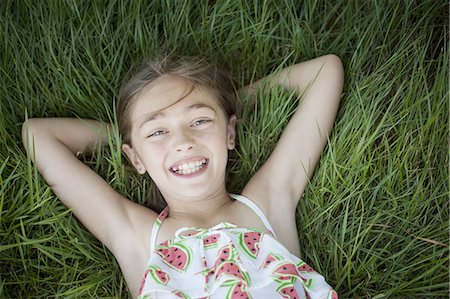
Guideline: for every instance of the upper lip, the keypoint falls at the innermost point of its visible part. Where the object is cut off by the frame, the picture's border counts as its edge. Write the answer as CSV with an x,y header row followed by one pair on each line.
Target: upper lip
x,y
187,161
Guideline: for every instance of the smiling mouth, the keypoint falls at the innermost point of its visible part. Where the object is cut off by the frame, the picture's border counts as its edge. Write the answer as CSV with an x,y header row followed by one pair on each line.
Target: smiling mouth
x,y
189,168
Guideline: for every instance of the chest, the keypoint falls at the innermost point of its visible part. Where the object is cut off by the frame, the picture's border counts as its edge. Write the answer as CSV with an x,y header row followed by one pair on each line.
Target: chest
x,y
239,214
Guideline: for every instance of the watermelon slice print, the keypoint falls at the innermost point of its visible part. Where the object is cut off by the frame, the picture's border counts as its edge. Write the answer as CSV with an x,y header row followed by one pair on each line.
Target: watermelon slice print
x,y
180,294
158,275
288,292
175,255
333,295
232,269
249,242
304,267
237,291
163,215
211,241
270,258
143,282
286,269
285,273
226,253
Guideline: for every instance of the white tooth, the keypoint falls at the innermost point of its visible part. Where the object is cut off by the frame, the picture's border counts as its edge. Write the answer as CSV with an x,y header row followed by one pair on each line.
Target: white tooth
x,y
191,165
185,166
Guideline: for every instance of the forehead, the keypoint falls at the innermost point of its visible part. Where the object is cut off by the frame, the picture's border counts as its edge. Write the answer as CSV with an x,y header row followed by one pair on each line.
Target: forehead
x,y
167,91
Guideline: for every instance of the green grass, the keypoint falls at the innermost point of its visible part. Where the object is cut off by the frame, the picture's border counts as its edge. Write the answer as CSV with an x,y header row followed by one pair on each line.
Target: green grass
x,y
374,218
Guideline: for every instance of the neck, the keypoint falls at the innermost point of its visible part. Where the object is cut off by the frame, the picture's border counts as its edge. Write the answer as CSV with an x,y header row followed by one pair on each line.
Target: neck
x,y
199,209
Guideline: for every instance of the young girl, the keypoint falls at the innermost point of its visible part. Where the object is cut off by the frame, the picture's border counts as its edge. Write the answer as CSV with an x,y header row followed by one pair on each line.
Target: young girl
x,y
178,123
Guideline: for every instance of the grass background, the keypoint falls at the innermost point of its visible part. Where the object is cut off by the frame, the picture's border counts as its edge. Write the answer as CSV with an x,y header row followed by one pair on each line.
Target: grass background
x,y
374,219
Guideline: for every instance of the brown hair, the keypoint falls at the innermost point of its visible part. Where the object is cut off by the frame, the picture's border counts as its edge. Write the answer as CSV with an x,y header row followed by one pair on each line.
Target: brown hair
x,y
194,70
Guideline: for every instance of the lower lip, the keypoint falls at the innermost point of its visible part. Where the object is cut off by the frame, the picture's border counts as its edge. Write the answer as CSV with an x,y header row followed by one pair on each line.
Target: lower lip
x,y
191,175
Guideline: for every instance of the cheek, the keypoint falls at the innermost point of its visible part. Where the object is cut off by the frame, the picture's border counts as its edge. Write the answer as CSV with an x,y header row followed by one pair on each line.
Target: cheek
x,y
153,155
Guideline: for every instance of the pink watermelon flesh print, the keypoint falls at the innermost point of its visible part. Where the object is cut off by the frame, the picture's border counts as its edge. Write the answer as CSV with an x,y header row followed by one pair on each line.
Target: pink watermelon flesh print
x,y
231,269
286,269
180,294
211,241
237,291
304,267
175,255
333,295
226,253
289,292
158,274
270,258
143,282
250,243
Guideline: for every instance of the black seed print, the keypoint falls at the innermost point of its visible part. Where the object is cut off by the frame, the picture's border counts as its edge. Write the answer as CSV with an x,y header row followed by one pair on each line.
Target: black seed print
x,y
284,268
178,256
176,249
292,290
222,259
249,243
235,292
179,264
207,241
254,239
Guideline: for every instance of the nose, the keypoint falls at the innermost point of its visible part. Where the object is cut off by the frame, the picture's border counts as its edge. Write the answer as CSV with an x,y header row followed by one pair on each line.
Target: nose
x,y
183,141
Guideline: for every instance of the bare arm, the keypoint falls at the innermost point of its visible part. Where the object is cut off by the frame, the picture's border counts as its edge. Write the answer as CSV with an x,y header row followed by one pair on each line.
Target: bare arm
x,y
285,174
53,144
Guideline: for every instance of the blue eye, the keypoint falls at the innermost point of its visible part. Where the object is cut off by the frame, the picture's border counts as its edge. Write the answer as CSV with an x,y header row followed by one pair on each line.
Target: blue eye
x,y
200,122
157,133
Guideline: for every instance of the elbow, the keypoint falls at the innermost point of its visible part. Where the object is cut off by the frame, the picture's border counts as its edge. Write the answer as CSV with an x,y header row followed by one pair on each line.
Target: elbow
x,y
334,73
26,132
335,66
29,131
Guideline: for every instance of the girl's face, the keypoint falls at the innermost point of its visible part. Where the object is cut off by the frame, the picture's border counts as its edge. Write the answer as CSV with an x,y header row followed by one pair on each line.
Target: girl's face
x,y
181,137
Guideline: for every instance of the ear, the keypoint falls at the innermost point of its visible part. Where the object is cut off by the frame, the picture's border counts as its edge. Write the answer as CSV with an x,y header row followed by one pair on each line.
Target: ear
x,y
134,158
231,132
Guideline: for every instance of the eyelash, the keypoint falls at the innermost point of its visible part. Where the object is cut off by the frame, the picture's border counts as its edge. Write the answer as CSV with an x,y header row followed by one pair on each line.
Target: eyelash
x,y
194,124
200,122
156,133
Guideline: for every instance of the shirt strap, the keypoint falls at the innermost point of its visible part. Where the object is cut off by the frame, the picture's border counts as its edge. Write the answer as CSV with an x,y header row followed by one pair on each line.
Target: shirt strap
x,y
156,225
249,203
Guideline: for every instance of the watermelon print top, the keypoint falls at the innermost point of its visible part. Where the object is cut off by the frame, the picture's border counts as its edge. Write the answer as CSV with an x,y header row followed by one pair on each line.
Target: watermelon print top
x,y
227,261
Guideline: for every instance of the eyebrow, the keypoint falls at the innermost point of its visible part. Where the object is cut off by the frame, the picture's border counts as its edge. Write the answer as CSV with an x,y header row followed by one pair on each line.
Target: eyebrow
x,y
156,115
